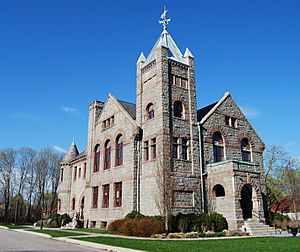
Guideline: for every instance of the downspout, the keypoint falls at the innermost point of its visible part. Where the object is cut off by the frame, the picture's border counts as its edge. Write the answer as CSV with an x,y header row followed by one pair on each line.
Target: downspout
x,y
138,177
201,165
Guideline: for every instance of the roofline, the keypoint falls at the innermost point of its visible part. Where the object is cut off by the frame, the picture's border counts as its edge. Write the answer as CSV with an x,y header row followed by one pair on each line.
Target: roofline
x,y
227,94
122,109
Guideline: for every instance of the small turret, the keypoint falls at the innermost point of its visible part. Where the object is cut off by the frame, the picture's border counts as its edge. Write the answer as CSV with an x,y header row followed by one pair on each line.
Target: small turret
x,y
71,154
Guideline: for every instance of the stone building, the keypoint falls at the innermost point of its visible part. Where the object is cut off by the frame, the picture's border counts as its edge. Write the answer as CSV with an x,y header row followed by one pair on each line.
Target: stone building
x,y
210,159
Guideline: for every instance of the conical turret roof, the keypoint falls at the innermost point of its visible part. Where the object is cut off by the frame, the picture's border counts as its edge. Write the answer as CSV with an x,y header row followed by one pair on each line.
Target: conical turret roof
x,y
71,153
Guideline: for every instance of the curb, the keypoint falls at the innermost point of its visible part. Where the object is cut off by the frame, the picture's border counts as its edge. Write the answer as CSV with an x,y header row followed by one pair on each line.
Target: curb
x,y
3,227
97,245
33,233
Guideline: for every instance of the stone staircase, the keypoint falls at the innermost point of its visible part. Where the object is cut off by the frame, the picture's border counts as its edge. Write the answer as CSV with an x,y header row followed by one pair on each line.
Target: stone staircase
x,y
256,228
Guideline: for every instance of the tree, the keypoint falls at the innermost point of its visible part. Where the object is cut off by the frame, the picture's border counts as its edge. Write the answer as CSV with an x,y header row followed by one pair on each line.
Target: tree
x,y
282,176
25,161
7,174
166,193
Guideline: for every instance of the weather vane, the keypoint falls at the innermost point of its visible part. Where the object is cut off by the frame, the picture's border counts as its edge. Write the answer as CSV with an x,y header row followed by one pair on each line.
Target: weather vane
x,y
164,20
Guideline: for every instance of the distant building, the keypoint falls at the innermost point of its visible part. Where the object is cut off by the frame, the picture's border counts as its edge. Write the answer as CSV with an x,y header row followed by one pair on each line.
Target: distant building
x,y
213,155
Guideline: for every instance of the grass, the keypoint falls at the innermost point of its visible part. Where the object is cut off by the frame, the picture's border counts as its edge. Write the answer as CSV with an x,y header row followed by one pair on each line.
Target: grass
x,y
56,233
264,244
13,226
92,230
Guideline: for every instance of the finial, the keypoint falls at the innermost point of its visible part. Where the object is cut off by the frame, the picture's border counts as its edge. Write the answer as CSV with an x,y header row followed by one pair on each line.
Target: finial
x,y
164,20
73,142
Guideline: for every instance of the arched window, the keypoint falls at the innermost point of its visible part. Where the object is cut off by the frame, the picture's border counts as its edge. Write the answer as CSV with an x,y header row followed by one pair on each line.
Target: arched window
x,y
107,154
73,204
218,146
59,204
178,109
246,150
150,111
119,150
97,158
219,191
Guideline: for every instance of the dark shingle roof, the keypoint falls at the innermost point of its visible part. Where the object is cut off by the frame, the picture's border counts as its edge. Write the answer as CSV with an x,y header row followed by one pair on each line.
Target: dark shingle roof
x,y
129,107
82,154
203,111
71,154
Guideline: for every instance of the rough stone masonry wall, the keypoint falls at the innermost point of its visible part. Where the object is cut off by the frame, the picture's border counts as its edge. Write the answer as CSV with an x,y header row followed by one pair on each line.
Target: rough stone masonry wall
x,y
232,148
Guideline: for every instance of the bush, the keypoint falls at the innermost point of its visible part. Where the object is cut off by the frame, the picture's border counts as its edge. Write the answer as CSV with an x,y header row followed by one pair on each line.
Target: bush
x,y
217,222
57,220
199,222
134,214
139,226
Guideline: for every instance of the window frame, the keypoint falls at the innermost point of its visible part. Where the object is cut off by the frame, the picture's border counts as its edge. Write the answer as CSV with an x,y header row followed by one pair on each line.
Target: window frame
x,y
119,150
118,194
105,196
95,196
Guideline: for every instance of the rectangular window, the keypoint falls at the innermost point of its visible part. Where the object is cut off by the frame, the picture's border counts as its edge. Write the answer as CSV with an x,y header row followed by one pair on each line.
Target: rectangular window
x,y
233,123
184,83
153,148
118,194
61,174
107,157
146,150
175,147
95,197
177,81
227,120
84,170
218,153
79,172
105,201
75,173
119,152
184,149
97,161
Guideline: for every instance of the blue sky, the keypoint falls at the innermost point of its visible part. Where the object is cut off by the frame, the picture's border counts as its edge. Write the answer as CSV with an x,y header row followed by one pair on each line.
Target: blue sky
x,y
57,56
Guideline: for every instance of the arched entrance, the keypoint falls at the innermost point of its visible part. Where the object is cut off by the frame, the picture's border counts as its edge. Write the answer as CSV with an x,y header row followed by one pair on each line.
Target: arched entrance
x,y
246,201
81,208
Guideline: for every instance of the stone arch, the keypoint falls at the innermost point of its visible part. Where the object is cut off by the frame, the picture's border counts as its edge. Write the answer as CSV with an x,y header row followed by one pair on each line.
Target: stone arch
x,y
117,133
256,198
219,191
212,130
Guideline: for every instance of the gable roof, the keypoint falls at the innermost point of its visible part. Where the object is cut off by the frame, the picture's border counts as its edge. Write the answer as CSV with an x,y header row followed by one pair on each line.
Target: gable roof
x,y
129,107
212,108
203,111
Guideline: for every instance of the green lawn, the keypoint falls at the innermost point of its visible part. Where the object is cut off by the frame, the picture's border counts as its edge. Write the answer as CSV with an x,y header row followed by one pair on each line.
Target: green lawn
x,y
92,230
56,233
264,244
13,226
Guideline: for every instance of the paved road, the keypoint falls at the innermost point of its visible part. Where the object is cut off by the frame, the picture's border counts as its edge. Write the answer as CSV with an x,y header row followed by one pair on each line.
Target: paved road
x,y
17,241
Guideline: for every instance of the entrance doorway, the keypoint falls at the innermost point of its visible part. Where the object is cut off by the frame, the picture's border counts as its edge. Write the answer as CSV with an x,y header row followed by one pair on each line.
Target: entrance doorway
x,y
246,201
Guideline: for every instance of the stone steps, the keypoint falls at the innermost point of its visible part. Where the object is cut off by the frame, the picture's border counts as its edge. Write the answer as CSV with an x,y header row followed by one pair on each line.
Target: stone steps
x,y
256,228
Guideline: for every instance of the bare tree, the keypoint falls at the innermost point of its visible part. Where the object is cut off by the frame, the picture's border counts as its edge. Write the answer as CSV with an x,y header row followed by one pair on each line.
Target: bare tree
x,y
166,192
7,174
54,172
25,160
42,173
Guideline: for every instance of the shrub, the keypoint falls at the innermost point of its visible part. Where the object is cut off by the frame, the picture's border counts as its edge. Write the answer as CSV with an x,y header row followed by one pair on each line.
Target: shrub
x,y
134,214
217,222
139,226
199,222
57,220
